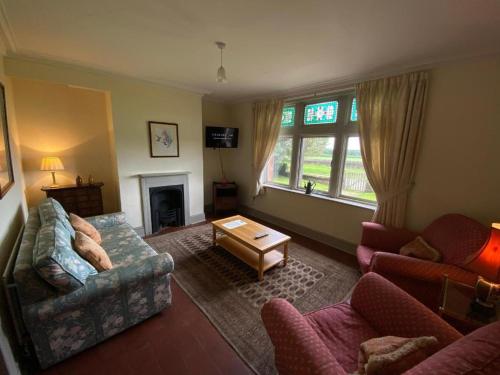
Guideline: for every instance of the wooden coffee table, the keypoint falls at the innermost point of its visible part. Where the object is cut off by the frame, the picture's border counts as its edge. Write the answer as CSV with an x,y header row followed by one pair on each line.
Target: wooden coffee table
x,y
259,254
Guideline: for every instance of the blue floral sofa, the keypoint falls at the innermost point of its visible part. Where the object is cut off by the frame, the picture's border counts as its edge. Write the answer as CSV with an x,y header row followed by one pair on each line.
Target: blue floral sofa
x,y
63,319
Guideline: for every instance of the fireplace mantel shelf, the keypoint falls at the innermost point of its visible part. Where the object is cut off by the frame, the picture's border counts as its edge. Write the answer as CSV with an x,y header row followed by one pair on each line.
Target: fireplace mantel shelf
x,y
161,174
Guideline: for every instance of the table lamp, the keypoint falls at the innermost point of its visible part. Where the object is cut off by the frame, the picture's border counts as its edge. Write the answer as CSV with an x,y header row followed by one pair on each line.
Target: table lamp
x,y
52,164
486,263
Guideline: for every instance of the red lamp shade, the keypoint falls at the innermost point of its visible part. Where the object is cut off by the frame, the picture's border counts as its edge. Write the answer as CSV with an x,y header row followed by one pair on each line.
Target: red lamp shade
x,y
487,261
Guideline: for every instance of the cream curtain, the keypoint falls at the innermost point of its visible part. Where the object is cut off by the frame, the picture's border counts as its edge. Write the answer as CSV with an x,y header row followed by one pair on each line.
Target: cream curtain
x,y
267,122
390,113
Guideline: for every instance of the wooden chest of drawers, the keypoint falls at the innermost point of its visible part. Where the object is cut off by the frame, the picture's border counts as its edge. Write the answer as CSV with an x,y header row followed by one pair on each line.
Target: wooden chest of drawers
x,y
83,200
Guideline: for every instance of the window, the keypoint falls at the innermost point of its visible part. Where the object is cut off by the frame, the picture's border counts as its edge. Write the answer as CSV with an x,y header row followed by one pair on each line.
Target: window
x,y
319,142
279,165
354,110
354,181
316,162
321,113
288,116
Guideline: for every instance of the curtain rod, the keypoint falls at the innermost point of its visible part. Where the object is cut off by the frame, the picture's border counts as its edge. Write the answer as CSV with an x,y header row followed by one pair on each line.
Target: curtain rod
x,y
317,94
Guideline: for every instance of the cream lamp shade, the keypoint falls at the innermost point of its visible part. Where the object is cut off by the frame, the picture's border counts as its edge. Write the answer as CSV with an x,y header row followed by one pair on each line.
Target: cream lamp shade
x,y
52,164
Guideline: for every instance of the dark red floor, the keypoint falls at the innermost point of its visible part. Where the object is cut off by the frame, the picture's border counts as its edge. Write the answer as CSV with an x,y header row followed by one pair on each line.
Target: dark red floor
x,y
178,341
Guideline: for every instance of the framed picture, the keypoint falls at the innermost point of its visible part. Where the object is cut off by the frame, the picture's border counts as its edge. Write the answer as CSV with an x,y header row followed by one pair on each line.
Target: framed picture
x,y
163,139
6,172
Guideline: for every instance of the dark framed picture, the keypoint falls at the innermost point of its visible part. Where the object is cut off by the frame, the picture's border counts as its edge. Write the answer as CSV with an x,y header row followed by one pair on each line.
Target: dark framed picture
x,y
163,139
6,172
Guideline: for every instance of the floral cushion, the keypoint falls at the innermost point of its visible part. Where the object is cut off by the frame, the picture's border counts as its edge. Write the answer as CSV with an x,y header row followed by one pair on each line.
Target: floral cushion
x,y
55,260
50,210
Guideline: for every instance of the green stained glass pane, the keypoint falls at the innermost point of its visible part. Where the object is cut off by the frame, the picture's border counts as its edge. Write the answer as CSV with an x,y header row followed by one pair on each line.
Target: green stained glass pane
x,y
288,116
354,111
321,113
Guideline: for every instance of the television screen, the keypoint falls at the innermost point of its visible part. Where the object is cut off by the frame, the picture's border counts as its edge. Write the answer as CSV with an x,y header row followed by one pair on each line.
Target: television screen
x,y
219,137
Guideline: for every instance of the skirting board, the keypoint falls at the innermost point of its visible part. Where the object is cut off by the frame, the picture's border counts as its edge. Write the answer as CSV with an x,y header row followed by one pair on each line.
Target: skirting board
x,y
337,243
192,220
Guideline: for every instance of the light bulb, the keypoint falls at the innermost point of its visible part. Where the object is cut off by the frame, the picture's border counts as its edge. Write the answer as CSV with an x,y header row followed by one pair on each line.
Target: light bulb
x,y
221,75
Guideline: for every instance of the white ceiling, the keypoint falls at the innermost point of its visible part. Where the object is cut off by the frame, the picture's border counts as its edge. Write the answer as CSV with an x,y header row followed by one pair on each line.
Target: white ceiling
x,y
272,45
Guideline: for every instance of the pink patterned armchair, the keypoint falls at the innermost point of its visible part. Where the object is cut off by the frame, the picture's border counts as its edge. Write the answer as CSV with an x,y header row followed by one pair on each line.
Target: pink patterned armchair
x,y
455,236
327,341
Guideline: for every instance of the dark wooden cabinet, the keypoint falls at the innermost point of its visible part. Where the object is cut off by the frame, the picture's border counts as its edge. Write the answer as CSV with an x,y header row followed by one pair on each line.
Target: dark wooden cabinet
x,y
225,196
83,200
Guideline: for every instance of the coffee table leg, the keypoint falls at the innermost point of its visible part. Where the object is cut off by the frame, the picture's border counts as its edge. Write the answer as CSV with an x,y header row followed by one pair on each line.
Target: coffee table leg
x,y
285,254
214,236
261,267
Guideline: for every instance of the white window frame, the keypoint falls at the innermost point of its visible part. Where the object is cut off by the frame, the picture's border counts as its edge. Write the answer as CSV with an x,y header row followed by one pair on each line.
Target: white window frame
x,y
342,129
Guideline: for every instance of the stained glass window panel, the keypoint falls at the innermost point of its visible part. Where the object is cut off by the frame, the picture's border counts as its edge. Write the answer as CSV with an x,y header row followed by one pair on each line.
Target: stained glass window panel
x,y
321,113
354,110
288,116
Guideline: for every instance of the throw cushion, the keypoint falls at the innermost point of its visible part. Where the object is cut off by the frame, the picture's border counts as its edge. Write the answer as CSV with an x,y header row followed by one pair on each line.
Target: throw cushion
x,y
50,209
84,226
92,252
392,355
418,248
55,260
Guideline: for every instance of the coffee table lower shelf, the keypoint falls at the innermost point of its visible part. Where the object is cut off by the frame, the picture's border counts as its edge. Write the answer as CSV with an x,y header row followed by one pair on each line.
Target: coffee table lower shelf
x,y
250,257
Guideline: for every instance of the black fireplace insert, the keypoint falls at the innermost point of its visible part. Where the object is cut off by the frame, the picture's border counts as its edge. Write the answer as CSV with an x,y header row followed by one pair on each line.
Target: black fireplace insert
x,y
167,206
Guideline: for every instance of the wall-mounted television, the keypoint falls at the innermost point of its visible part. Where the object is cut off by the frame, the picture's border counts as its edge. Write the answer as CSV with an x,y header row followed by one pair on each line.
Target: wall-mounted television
x,y
220,137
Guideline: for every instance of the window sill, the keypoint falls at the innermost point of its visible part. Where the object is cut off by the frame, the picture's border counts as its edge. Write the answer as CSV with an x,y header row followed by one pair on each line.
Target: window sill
x,y
348,202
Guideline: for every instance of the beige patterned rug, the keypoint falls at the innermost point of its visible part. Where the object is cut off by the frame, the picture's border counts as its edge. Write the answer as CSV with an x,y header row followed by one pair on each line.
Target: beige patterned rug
x,y
230,295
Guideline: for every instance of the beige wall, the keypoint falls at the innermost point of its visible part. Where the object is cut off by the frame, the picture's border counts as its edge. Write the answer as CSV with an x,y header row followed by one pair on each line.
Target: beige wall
x,y
457,171
214,114
12,216
72,123
134,103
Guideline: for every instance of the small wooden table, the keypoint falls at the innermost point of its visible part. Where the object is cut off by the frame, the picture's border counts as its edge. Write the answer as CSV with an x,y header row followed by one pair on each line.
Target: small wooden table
x,y
259,254
455,306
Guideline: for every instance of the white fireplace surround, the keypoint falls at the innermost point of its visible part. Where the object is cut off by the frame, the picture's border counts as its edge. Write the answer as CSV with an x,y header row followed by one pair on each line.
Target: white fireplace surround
x,y
150,180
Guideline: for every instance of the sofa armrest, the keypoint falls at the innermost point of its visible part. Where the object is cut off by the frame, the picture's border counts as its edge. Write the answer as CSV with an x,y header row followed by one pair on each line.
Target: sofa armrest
x,y
97,287
392,311
298,349
380,237
418,269
107,220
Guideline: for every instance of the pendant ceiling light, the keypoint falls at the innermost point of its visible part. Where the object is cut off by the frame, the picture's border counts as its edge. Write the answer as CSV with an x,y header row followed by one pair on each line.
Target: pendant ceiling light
x,y
221,72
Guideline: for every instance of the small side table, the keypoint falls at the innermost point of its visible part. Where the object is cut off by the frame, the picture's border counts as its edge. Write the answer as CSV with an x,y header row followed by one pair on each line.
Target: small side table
x,y
454,307
225,197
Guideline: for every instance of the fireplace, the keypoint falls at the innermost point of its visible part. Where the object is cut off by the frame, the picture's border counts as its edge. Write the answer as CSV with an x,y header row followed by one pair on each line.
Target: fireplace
x,y
166,206
165,200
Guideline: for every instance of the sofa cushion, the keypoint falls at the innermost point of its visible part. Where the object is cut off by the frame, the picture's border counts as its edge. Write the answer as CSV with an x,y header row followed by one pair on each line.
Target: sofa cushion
x,y
50,210
476,353
55,260
342,330
456,237
420,249
124,246
30,286
392,355
85,227
90,250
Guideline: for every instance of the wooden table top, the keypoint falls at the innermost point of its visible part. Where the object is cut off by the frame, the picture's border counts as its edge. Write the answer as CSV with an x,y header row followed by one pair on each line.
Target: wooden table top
x,y
246,233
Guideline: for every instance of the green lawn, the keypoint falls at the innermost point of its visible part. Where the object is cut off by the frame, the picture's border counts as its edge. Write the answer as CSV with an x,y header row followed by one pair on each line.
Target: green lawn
x,y
323,171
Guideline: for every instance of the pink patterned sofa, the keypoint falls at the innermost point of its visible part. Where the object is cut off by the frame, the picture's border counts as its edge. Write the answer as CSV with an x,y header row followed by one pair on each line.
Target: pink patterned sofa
x,y
455,236
326,341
